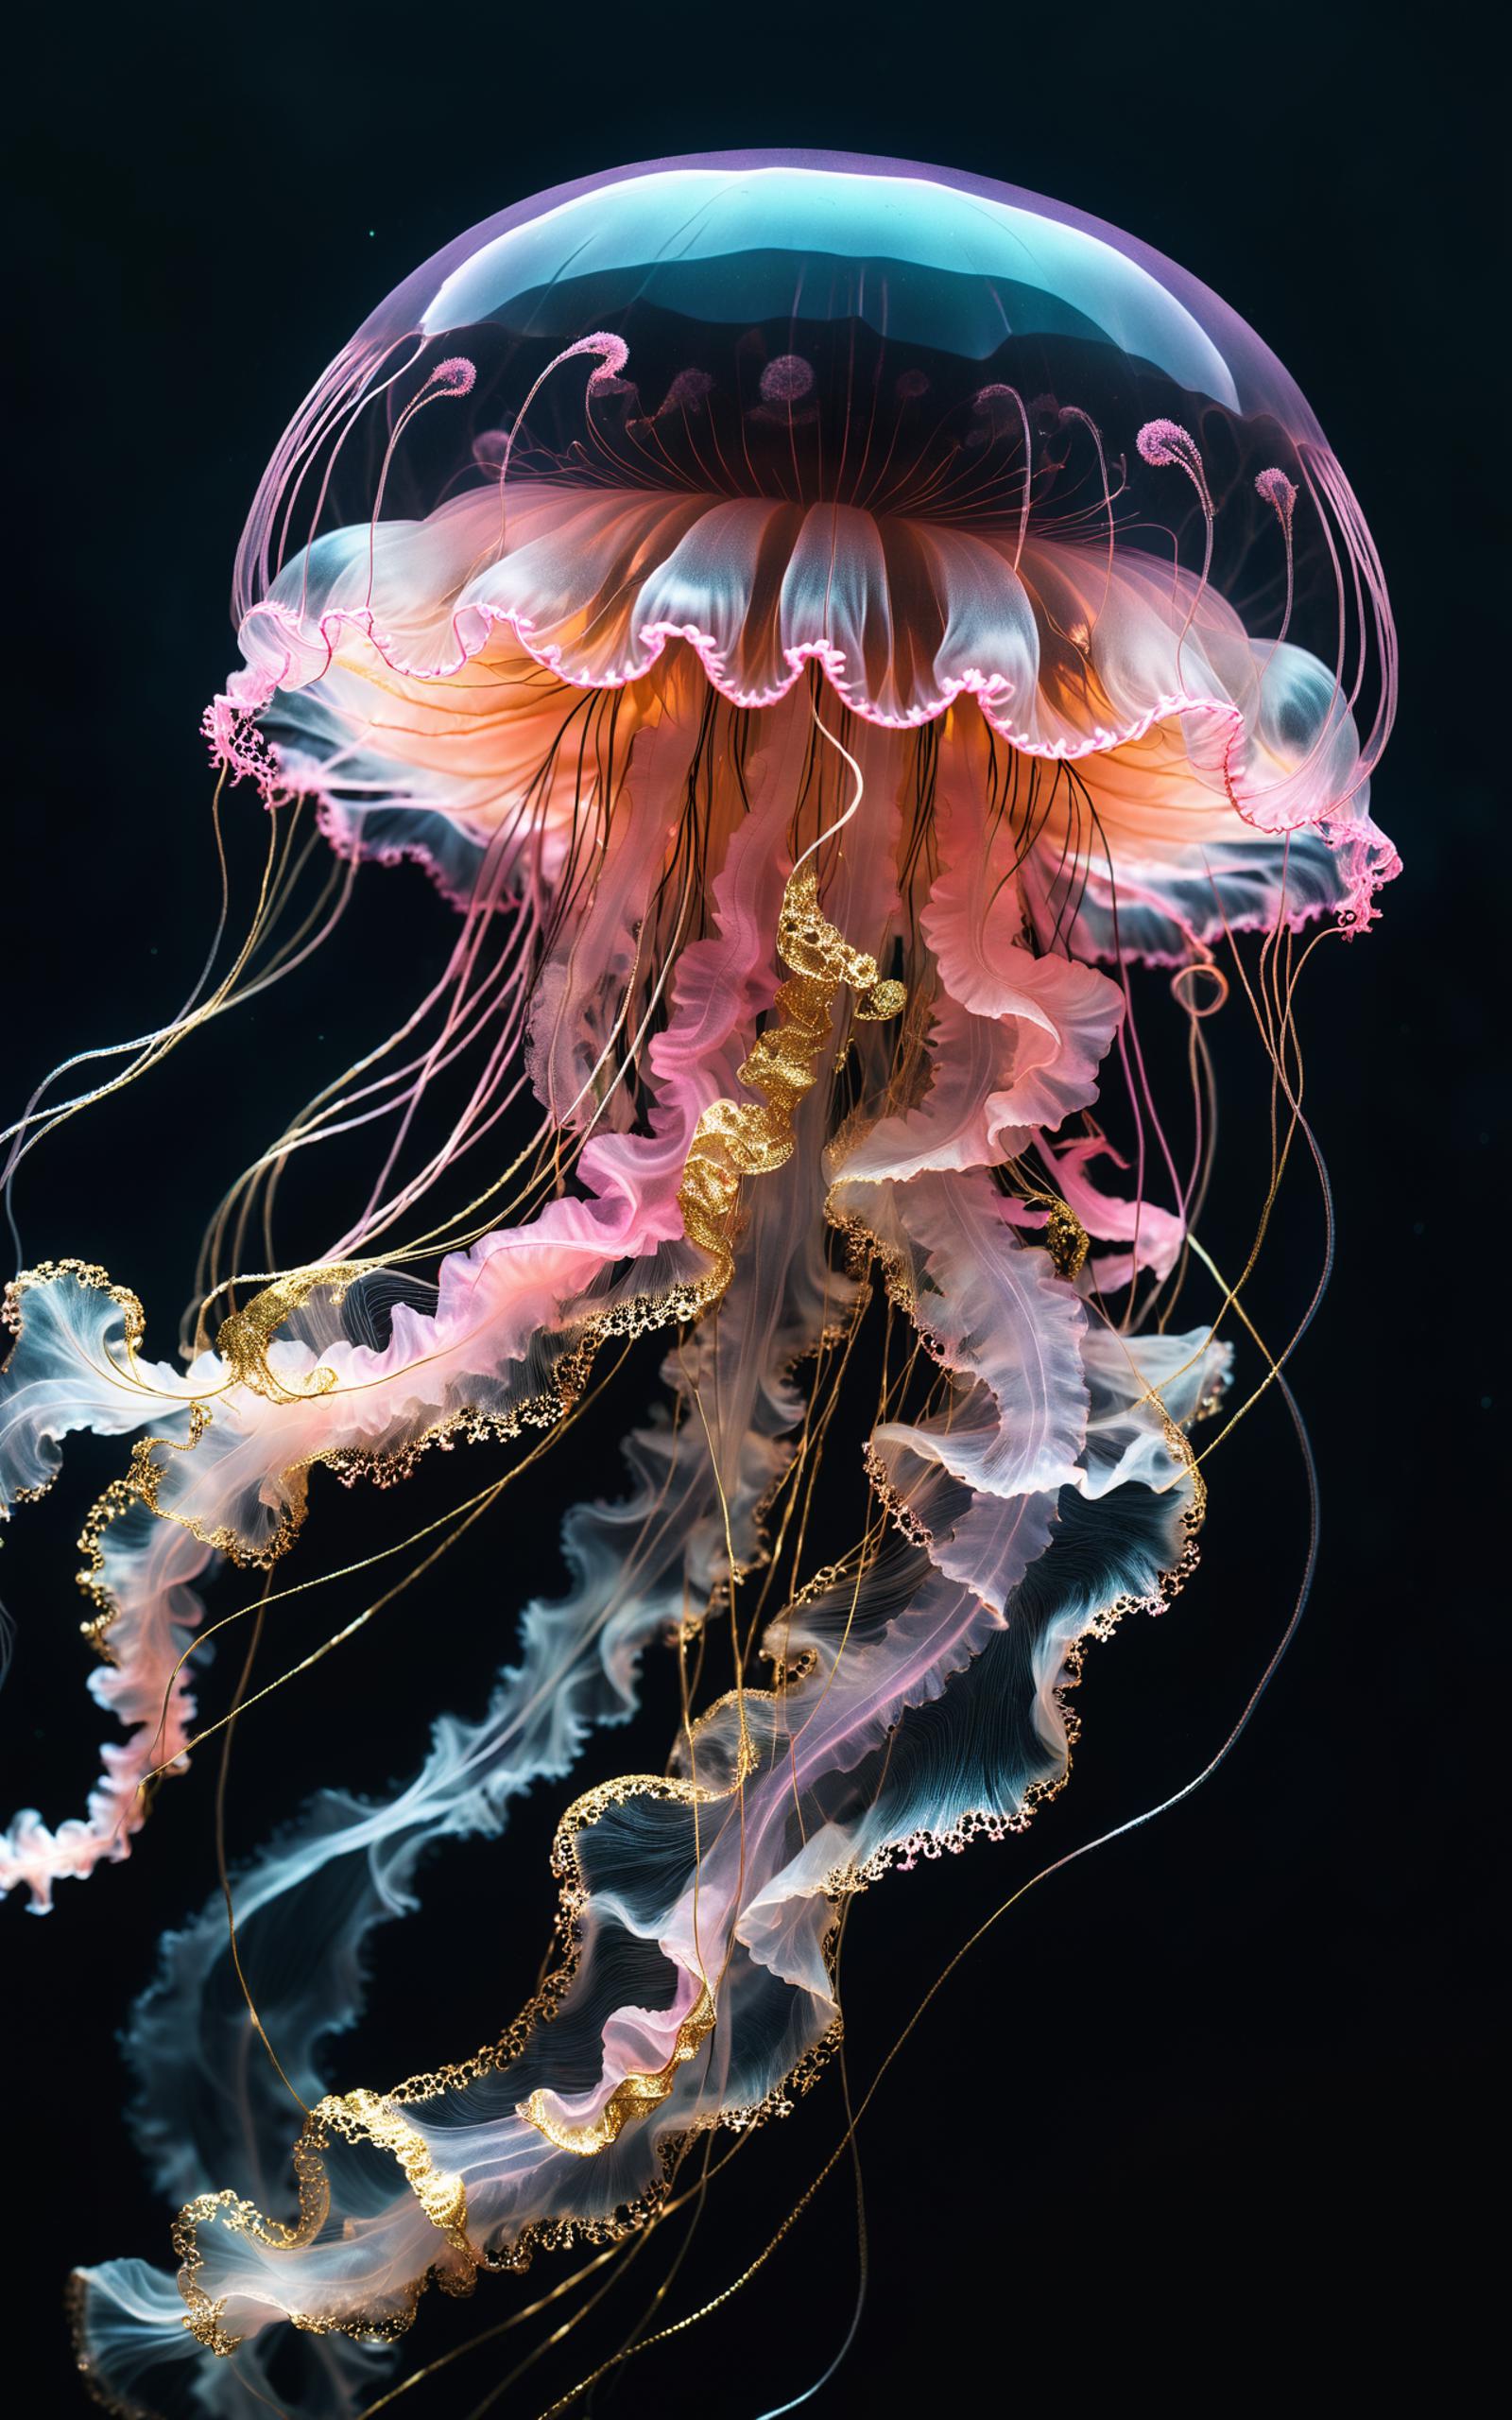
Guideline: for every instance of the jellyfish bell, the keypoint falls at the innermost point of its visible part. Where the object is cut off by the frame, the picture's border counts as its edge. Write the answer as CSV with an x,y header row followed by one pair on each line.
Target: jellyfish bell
x,y
823,622
1078,529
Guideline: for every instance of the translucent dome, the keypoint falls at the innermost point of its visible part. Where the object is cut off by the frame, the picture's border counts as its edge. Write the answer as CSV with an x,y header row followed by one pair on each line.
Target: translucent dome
x,y
809,301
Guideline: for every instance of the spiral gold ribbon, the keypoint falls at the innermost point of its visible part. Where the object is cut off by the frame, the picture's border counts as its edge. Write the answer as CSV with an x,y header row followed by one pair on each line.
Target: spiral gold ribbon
x,y
735,1139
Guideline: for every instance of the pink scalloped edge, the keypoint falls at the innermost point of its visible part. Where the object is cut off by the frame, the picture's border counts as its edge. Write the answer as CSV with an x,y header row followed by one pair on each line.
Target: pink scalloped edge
x,y
340,829
230,721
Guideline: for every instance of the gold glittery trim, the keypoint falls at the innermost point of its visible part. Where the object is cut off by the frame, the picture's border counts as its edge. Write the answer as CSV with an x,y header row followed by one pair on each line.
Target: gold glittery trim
x,y
243,1338
636,2095
895,1505
440,2195
1066,1239
863,1247
88,1273
140,1485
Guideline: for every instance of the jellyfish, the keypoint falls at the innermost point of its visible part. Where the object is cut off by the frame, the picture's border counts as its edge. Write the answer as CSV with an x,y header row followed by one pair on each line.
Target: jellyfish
x,y
844,638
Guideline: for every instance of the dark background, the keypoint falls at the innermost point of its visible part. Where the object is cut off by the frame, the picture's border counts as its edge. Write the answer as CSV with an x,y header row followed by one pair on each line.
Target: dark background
x,y
1211,2113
